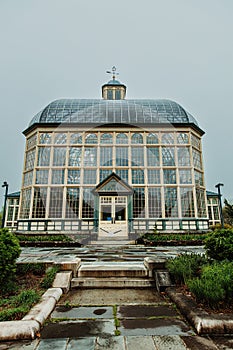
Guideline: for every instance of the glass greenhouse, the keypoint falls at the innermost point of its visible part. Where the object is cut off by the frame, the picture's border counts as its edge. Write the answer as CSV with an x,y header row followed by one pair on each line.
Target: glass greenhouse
x,y
113,167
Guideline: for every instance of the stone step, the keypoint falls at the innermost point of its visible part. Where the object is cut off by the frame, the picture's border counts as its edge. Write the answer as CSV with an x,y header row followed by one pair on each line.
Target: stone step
x,y
119,282
107,269
111,242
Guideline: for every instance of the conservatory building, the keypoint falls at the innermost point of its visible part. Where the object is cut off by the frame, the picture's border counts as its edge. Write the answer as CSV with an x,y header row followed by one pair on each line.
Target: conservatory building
x,y
113,167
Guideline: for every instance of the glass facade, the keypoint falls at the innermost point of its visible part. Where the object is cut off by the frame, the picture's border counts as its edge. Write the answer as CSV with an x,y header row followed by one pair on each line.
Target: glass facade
x,y
164,169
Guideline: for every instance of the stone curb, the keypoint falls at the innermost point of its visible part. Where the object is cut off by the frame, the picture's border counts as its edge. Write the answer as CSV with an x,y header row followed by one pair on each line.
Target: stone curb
x,y
202,321
30,325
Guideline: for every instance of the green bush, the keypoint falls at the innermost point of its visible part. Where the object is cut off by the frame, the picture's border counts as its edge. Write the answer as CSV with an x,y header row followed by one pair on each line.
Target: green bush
x,y
49,277
44,238
37,269
219,244
215,285
185,266
9,252
26,298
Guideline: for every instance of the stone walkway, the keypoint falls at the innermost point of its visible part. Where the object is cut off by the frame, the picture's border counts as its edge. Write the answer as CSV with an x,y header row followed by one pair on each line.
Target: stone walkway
x,y
114,319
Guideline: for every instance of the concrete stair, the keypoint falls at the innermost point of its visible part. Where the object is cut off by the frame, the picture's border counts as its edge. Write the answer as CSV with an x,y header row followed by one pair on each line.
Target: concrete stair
x,y
113,275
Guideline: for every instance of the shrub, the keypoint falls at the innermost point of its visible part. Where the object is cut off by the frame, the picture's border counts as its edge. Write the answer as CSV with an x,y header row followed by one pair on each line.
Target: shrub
x,y
219,244
49,277
215,286
26,298
9,252
37,269
185,266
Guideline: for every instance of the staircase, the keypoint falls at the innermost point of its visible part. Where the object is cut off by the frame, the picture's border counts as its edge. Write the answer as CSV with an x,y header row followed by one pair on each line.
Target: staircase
x,y
101,274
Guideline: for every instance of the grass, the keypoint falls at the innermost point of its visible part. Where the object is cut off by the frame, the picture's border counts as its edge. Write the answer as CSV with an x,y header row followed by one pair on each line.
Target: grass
x,y
44,238
160,237
31,282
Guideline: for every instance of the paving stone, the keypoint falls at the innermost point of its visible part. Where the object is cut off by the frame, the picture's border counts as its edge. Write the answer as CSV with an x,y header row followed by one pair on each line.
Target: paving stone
x,y
111,343
83,312
75,329
197,343
62,280
82,344
142,311
168,342
52,344
153,327
134,343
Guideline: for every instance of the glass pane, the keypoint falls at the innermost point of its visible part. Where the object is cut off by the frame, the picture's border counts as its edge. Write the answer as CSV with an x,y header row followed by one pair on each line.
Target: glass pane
x,y
106,138
171,204
56,202
90,156
185,176
137,176
72,203
153,176
167,138
39,202
121,139
153,158
183,156
45,138
89,176
152,139
75,154
169,176
75,138
73,177
137,156
137,138
58,176
88,203
168,156
197,159
59,156
60,138
154,202
123,173
139,203
91,139
187,203
44,156
106,156
122,156
42,176
182,138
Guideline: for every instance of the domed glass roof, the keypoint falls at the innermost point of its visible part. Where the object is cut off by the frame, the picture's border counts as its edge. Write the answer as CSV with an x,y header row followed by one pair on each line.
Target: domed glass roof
x,y
86,111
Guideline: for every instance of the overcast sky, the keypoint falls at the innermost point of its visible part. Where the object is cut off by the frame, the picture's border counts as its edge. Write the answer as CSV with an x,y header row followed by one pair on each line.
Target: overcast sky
x,y
176,49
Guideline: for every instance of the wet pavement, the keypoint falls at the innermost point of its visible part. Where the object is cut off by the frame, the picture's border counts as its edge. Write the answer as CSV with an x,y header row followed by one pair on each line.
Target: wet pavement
x,y
104,254
115,319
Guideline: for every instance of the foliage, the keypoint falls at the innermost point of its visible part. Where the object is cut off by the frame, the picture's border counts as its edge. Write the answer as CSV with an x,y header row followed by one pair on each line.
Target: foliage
x,y
49,277
44,238
158,237
228,212
185,266
9,252
37,269
219,244
219,227
215,285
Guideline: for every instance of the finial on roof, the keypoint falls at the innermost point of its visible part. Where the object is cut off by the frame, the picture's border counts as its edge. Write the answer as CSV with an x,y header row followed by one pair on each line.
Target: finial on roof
x,y
113,72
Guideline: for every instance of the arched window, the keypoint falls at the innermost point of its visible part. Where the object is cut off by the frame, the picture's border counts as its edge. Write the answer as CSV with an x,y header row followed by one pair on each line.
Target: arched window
x,y
91,139
152,139
182,138
121,138
60,138
168,138
137,138
75,138
106,138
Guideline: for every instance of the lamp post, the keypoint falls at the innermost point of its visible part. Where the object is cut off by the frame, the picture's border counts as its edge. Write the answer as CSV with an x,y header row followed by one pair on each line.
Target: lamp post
x,y
220,203
5,184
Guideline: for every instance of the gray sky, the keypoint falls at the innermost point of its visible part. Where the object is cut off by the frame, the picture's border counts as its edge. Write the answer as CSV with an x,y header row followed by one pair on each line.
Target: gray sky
x,y
176,49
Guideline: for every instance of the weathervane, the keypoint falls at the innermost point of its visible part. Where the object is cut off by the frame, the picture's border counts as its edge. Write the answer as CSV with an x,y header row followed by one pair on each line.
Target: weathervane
x,y
113,72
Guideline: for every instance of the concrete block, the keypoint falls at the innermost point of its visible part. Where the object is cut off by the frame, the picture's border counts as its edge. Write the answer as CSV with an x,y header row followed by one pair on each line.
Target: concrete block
x,y
154,264
70,265
55,293
14,330
41,311
62,280
162,280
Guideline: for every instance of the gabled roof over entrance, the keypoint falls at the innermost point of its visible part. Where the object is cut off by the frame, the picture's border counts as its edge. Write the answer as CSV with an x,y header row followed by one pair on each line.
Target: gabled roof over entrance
x,y
113,185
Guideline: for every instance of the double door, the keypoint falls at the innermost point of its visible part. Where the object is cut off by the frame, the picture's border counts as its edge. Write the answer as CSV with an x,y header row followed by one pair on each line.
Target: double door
x,y
113,216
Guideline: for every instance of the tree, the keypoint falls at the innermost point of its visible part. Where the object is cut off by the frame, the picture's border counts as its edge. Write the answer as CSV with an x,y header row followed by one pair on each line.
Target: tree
x,y
228,213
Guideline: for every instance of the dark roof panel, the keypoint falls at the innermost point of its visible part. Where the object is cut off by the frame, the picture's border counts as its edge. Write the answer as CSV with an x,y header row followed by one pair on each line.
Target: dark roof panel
x,y
114,112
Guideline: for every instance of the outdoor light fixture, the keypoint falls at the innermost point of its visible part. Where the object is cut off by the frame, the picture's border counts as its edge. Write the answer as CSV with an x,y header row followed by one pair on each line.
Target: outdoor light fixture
x,y
5,184
218,186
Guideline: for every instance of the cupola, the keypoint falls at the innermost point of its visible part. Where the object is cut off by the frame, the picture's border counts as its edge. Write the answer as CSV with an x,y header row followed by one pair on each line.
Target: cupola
x,y
114,89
